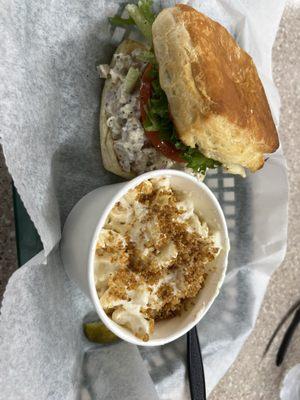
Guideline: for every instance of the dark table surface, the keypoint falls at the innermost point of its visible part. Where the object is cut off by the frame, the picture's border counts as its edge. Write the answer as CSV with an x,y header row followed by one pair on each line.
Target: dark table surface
x,y
27,238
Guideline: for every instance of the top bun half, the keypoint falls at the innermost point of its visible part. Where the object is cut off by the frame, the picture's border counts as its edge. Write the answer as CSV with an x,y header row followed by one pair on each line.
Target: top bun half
x,y
216,98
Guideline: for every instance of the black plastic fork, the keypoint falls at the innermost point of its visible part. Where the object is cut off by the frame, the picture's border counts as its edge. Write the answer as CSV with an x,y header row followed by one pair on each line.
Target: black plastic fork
x,y
195,366
295,309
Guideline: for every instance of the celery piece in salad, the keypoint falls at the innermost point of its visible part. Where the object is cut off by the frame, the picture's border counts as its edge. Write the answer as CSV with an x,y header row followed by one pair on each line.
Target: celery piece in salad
x,y
147,56
131,79
143,24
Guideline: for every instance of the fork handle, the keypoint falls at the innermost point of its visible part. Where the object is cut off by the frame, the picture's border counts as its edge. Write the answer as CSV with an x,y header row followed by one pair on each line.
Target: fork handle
x,y
195,366
287,338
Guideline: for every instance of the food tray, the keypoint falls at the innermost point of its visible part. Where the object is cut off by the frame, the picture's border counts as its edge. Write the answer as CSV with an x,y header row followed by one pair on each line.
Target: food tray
x,y
167,364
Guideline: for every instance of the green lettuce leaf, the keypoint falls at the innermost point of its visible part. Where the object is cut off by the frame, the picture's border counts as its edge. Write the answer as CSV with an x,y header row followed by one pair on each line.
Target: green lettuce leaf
x,y
145,6
140,15
119,21
198,161
143,24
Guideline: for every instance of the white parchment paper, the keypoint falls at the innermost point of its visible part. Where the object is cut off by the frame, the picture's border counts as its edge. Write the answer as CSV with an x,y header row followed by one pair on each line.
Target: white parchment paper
x,y
50,95
291,384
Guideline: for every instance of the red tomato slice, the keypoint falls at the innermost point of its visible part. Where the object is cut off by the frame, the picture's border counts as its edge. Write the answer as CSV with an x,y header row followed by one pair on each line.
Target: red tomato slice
x,y
166,148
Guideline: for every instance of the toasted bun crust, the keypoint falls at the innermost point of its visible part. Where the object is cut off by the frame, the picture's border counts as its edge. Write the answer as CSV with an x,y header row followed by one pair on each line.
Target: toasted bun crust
x,y
215,95
109,157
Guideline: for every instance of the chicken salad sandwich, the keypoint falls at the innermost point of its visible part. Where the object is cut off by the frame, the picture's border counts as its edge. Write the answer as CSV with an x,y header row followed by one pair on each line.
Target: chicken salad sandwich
x,y
187,97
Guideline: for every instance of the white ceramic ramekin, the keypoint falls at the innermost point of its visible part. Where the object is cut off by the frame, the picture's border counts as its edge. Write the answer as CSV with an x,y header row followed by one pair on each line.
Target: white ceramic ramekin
x,y
85,222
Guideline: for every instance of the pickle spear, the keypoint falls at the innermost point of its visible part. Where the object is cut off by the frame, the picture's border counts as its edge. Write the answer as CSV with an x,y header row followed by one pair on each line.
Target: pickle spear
x,y
97,332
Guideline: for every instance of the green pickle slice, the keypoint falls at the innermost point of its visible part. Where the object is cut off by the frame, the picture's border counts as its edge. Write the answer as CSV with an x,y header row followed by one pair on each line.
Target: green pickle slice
x,y
97,332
